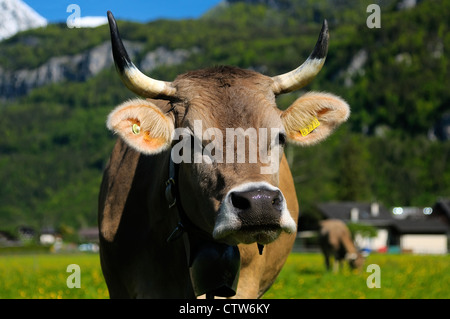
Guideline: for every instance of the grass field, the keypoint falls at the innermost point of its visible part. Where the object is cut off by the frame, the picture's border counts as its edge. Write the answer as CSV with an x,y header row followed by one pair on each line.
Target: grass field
x,y
304,276
44,276
401,276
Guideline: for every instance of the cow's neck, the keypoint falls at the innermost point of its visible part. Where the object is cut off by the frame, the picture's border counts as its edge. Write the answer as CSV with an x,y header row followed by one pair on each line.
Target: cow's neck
x,y
172,194
214,267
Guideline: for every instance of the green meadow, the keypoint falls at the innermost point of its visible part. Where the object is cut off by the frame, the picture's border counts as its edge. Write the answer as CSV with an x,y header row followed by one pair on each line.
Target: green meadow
x,y
44,276
401,277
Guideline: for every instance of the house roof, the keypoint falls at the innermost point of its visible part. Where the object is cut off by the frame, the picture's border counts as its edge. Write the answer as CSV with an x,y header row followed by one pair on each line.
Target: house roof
x,y
342,210
89,233
384,218
420,226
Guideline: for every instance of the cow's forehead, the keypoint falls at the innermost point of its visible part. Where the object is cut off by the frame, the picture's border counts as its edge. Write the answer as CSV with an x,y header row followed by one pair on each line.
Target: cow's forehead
x,y
228,97
223,76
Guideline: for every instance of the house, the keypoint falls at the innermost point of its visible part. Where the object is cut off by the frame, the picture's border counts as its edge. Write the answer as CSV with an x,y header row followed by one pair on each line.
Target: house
x,y
406,229
89,234
7,239
422,236
26,233
47,236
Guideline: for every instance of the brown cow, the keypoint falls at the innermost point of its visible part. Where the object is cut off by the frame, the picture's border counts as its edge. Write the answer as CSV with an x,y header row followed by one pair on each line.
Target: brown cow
x,y
335,240
182,228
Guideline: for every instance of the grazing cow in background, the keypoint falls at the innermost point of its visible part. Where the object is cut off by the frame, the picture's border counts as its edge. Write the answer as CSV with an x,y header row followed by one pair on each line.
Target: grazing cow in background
x,y
212,223
335,240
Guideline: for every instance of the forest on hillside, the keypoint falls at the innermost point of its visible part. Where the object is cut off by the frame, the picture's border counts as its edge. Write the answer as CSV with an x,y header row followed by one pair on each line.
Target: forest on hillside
x,y
54,143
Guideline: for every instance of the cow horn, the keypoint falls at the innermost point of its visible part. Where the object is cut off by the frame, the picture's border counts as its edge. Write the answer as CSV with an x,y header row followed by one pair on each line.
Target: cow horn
x,y
306,72
134,79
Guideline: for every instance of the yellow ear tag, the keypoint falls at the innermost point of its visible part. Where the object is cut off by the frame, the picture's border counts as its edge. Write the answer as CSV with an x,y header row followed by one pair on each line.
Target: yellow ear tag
x,y
136,129
311,127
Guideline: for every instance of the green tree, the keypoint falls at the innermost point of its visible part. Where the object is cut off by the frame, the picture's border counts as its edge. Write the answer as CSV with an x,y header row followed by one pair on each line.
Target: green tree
x,y
352,180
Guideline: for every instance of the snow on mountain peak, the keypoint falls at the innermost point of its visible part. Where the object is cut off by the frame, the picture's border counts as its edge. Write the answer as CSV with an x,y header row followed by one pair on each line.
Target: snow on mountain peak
x,y
16,16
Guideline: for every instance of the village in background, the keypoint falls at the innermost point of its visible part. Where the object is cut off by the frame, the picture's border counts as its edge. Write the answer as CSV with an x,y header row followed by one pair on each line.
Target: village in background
x,y
375,229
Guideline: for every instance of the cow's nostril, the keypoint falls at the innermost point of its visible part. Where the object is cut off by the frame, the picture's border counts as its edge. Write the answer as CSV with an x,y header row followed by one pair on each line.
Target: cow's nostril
x,y
239,201
277,202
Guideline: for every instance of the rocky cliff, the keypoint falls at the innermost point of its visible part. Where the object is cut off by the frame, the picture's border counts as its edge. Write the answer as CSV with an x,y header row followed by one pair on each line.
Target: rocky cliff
x,y
79,67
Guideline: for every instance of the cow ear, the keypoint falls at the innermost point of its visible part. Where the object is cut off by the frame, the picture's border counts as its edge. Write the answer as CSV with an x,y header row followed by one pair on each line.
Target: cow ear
x,y
313,117
142,125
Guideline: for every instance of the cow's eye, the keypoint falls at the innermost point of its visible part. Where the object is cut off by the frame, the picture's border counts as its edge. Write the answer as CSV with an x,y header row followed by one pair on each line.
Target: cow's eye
x,y
196,144
281,139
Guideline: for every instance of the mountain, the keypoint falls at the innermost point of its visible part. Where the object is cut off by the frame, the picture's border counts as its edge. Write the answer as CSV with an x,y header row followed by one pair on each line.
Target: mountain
x,y
16,16
82,66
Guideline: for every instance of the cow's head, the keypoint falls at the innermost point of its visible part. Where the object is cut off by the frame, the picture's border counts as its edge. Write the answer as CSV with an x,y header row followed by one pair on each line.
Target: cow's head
x,y
355,260
224,125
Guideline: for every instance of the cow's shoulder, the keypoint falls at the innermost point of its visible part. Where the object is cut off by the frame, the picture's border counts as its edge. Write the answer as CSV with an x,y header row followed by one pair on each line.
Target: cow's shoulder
x,y
116,184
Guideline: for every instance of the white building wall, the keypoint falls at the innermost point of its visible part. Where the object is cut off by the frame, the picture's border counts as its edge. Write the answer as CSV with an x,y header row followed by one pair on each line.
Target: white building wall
x,y
375,243
47,239
424,244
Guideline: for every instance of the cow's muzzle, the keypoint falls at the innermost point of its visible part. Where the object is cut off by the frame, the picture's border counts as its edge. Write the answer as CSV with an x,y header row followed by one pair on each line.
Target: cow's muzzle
x,y
253,212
